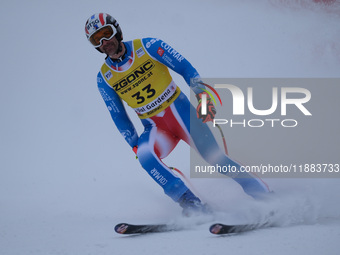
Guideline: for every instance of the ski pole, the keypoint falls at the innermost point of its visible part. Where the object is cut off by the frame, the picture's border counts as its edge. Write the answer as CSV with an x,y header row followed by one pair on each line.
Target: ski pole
x,y
223,138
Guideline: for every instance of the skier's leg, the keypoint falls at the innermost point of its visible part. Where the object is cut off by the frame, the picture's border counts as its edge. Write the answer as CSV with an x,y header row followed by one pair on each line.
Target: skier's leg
x,y
206,145
156,143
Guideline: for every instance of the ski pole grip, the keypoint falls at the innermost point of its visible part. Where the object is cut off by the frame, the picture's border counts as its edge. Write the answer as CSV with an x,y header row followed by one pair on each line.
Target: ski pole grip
x,y
135,148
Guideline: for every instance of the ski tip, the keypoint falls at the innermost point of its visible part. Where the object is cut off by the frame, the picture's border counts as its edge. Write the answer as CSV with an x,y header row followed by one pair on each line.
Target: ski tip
x,y
216,228
121,228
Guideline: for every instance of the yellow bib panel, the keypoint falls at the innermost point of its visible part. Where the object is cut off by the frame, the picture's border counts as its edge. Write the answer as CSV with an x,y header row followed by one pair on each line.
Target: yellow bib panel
x,y
143,83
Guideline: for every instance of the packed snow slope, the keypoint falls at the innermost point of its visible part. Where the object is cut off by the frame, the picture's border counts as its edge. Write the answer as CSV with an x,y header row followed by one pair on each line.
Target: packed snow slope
x,y
66,174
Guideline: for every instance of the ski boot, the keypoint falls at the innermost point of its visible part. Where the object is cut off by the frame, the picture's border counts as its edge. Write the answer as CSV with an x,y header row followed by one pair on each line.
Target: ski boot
x,y
192,205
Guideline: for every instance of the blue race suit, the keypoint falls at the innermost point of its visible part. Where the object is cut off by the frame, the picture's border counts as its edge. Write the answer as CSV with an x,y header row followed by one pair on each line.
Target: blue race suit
x,y
143,81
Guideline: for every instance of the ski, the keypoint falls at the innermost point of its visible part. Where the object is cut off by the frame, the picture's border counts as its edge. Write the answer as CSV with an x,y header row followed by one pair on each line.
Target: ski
x,y
128,229
217,228
221,229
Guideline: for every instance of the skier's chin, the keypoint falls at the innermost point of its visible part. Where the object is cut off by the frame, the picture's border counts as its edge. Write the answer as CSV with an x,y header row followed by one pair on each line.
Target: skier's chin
x,y
113,55
109,50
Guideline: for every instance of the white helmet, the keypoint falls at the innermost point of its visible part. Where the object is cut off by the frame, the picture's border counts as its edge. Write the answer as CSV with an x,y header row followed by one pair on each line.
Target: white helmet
x,y
102,26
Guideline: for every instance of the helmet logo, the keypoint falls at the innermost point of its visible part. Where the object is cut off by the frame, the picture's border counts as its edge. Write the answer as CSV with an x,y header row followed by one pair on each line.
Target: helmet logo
x,y
93,24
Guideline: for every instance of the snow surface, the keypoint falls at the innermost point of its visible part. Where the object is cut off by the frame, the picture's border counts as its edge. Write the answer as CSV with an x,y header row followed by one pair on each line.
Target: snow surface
x,y
66,175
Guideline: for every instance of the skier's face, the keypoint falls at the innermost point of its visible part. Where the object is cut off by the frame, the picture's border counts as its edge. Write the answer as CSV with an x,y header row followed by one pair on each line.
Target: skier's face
x,y
110,47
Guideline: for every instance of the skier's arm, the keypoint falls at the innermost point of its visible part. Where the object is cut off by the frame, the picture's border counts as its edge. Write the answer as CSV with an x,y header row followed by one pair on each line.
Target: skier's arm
x,y
168,56
118,112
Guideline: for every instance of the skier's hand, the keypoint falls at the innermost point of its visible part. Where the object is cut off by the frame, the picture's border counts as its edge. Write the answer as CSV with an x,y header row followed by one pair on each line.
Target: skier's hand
x,y
211,111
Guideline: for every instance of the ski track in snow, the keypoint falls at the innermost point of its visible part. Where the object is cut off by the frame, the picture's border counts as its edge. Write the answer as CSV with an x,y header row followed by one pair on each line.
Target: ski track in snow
x,y
65,181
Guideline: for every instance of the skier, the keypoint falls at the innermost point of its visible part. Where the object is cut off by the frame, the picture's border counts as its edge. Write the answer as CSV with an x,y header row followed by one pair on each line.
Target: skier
x,y
137,72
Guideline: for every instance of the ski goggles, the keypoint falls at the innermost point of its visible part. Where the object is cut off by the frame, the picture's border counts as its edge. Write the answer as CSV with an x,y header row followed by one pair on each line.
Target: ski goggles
x,y
105,33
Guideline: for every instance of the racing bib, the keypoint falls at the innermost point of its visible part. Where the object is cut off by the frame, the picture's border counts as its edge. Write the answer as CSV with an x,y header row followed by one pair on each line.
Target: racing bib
x,y
143,83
